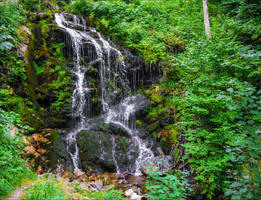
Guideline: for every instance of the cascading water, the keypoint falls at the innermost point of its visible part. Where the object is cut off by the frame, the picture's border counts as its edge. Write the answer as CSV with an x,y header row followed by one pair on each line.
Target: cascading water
x,y
118,106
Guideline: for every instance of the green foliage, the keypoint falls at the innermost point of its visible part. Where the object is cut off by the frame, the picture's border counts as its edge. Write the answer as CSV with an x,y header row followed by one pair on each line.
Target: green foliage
x,y
13,170
38,69
153,28
247,13
61,85
113,195
210,91
11,17
246,180
4,44
216,85
12,69
45,191
108,195
33,5
167,187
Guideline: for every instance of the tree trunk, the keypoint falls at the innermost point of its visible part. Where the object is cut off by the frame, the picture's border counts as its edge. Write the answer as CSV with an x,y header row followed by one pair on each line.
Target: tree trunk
x,y
206,18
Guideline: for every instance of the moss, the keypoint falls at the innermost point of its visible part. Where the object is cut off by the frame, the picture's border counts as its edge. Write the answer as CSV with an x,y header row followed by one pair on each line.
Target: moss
x,y
57,149
123,145
49,81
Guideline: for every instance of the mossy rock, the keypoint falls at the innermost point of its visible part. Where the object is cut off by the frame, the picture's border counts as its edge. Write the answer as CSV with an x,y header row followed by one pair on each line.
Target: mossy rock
x,y
96,147
57,150
48,74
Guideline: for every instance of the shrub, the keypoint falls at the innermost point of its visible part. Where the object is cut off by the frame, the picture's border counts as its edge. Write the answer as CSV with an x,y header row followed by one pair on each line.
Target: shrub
x,y
13,170
166,187
113,195
45,191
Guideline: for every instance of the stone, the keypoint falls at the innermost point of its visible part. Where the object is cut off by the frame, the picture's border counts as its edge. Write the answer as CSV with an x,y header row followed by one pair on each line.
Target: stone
x,y
78,173
84,186
123,181
135,197
96,149
136,189
128,192
98,185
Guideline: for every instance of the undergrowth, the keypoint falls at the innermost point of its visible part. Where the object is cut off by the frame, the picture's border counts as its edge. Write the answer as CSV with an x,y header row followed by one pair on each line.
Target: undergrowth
x,y
47,190
13,168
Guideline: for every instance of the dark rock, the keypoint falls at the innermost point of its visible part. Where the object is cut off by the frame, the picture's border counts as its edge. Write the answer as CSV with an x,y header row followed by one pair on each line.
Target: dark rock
x,y
40,16
91,146
96,147
58,154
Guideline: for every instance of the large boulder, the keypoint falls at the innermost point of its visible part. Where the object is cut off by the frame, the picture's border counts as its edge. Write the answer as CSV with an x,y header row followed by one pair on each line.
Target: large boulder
x,y
106,147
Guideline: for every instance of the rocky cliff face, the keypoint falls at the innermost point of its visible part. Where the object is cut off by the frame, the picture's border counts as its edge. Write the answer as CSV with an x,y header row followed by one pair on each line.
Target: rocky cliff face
x,y
49,80
107,142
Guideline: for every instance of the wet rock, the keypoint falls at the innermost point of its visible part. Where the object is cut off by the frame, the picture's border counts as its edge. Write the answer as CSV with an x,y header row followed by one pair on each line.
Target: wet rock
x,y
26,34
160,163
91,147
96,149
75,26
58,155
127,186
139,183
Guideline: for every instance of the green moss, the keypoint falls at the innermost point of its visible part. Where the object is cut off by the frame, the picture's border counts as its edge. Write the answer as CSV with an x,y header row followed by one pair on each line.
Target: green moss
x,y
123,145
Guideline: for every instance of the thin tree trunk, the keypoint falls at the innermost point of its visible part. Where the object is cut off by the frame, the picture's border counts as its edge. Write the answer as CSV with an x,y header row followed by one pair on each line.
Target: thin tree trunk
x,y
206,18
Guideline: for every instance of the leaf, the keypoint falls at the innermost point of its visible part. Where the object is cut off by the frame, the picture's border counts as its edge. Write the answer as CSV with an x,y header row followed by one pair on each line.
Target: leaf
x,y
6,45
5,37
231,90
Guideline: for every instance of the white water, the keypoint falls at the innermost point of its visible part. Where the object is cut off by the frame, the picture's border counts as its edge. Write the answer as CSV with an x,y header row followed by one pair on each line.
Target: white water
x,y
123,116
114,87
78,96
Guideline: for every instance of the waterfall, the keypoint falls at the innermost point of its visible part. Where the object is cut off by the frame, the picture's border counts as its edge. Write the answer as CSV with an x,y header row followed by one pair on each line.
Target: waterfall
x,y
118,106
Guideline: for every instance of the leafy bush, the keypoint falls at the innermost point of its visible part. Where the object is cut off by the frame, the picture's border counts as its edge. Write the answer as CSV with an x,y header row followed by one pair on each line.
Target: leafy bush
x,y
45,191
166,187
152,28
108,195
12,14
13,170
113,195
4,44
245,183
